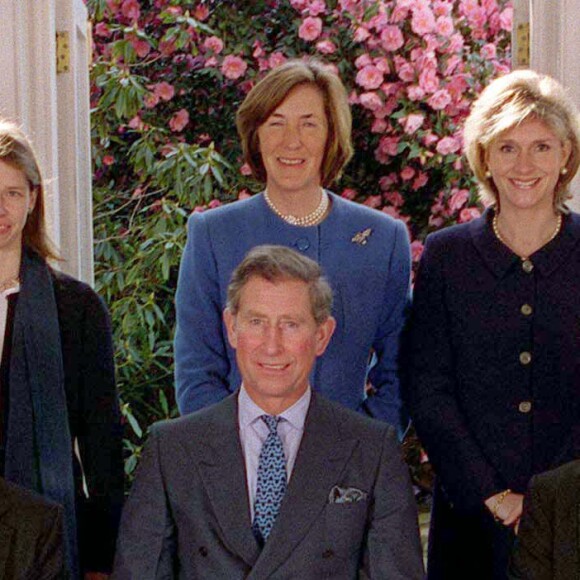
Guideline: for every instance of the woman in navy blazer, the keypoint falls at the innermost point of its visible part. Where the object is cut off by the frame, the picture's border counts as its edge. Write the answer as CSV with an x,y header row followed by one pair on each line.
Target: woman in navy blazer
x,y
295,127
494,345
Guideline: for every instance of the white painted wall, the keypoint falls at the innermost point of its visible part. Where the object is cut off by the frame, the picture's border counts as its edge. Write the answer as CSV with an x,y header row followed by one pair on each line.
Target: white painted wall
x,y
54,111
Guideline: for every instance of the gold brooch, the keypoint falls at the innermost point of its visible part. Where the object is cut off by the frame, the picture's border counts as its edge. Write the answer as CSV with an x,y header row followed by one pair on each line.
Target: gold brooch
x,y
362,237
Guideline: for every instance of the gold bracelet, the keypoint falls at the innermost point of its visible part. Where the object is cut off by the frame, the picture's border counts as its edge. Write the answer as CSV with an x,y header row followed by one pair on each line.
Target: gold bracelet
x,y
498,502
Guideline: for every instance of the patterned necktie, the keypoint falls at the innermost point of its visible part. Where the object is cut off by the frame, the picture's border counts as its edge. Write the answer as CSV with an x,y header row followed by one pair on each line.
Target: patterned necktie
x,y
271,483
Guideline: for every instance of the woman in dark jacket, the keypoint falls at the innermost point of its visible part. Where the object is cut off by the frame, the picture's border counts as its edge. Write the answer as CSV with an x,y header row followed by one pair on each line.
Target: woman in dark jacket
x,y
59,415
494,345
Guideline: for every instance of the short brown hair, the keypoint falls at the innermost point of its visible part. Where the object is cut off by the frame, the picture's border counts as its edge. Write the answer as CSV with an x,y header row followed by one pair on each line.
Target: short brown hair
x,y
272,90
277,264
16,150
508,101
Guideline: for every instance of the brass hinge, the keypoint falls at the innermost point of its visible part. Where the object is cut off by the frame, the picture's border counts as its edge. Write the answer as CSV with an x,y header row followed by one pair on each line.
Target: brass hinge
x,y
62,52
523,44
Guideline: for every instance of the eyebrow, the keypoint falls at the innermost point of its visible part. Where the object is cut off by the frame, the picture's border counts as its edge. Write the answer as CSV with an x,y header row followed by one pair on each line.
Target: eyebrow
x,y
305,116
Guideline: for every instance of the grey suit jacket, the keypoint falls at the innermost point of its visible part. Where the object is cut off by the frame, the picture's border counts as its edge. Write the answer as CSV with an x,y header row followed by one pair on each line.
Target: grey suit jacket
x,y
188,515
31,542
548,544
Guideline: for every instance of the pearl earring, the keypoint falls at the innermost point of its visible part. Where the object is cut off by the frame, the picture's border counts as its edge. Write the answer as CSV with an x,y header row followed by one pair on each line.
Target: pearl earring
x,y
564,171
488,174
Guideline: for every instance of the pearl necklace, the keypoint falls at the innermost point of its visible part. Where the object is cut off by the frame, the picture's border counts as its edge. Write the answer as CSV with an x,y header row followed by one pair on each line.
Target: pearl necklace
x,y
498,235
311,219
9,283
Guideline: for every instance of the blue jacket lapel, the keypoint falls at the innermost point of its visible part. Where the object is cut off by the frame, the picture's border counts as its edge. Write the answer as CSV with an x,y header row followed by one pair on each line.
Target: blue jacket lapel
x,y
322,456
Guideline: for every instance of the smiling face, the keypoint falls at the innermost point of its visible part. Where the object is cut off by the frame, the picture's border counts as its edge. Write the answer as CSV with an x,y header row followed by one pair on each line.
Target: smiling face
x,y
276,340
16,199
525,163
292,143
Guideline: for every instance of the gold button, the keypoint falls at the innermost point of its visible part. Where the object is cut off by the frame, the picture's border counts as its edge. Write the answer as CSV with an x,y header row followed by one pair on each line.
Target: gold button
x,y
525,358
525,407
527,266
526,309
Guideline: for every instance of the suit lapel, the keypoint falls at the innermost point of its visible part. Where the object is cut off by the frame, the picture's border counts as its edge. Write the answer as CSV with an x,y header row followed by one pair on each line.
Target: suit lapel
x,y
221,465
6,531
321,458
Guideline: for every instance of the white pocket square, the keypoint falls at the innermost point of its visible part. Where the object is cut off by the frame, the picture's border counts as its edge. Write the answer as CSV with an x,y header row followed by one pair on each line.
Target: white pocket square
x,y
346,495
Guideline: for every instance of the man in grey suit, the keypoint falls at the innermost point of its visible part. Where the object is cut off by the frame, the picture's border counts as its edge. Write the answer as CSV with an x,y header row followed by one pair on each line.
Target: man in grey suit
x,y
275,481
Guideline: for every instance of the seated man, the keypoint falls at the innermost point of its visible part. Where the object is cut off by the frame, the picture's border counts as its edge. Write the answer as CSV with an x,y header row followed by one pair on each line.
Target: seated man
x,y
31,540
275,481
548,543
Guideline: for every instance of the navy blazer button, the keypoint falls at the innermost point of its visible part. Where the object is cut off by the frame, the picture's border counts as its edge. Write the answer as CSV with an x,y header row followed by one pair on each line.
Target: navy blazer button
x,y
525,358
203,551
302,244
328,553
527,266
526,309
525,407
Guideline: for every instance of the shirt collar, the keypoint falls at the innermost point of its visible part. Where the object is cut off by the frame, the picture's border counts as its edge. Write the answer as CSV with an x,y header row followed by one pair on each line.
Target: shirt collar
x,y
248,411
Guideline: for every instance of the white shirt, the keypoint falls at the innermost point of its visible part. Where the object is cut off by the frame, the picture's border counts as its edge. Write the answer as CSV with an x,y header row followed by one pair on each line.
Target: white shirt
x,y
4,312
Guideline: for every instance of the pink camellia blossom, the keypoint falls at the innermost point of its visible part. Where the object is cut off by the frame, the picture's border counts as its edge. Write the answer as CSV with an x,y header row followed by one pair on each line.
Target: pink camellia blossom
x,y
423,21
258,50
416,250
379,126
233,67
299,4
276,59
130,9
316,7
488,51
390,145
361,34
244,194
400,13
415,93
428,80
419,181
246,170
348,193
371,101
385,183
374,201
164,91
442,8
439,100
382,63
108,160
310,28
150,100
394,213
326,47
456,43
214,203
411,123
405,70
506,19
458,199
210,62
392,38
179,121
102,30
448,145
213,43
363,60
429,139
201,12
141,47
166,47
136,123
369,77
444,26
394,197
407,173
468,213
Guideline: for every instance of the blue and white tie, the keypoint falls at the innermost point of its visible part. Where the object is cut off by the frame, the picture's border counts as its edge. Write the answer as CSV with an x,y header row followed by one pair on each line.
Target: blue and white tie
x,y
271,483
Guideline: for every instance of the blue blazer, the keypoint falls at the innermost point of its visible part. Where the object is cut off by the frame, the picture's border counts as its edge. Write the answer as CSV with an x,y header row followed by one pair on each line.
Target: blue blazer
x,y
365,255
494,359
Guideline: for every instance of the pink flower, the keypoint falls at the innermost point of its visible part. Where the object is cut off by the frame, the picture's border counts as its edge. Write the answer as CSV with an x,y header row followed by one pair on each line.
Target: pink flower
x,y
136,123
316,7
299,4
382,63
416,250
407,173
214,44
258,50
108,160
102,30
445,26
429,139
369,77
506,19
233,67
214,203
326,47
130,9
201,12
141,47
415,93
405,70
361,34
379,126
428,80
363,60
448,145
442,8
244,194
373,201
411,122
423,21
458,199
245,169
488,51
439,100
210,62
392,38
371,101
179,121
394,197
419,181
348,193
164,91
310,29
468,213
150,100
276,59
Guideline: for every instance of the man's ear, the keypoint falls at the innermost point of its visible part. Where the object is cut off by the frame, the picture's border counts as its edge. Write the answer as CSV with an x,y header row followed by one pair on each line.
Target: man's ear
x,y
324,334
230,322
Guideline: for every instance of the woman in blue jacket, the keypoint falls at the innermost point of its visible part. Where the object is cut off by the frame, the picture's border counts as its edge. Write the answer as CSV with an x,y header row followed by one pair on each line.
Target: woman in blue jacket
x,y
494,350
295,127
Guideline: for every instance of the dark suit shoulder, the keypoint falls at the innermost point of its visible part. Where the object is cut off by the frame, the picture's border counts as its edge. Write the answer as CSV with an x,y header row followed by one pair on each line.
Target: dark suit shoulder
x,y
26,505
559,479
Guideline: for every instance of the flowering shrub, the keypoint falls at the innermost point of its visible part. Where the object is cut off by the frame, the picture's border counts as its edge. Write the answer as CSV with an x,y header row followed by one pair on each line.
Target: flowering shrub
x,y
167,78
